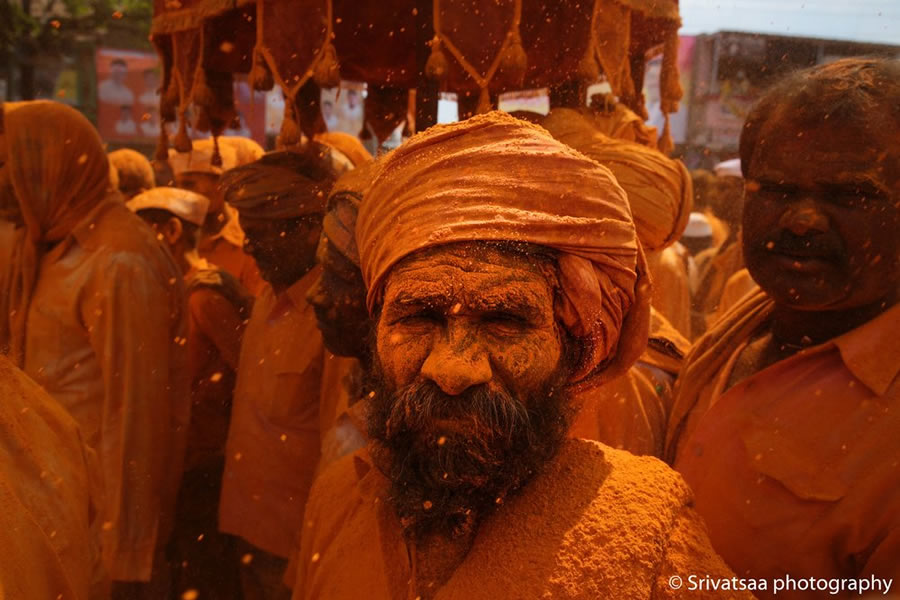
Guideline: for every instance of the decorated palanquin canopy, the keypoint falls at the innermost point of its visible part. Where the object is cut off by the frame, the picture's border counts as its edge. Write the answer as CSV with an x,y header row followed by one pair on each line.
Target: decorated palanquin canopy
x,y
476,48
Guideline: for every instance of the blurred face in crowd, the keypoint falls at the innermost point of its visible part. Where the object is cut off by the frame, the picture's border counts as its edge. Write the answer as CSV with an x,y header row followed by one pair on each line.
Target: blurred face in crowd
x,y
822,215
339,299
206,184
284,249
470,381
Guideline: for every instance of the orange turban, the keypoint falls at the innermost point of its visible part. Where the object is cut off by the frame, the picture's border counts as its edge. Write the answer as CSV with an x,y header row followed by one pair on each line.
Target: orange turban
x,y
283,184
134,171
346,144
339,225
659,188
496,178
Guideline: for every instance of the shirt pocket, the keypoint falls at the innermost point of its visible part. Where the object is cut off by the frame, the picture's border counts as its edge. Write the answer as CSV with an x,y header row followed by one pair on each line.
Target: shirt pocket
x,y
294,400
797,466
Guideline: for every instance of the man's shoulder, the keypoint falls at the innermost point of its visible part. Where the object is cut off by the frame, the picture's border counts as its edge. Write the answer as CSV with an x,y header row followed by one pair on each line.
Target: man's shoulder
x,y
595,523
605,472
338,483
121,239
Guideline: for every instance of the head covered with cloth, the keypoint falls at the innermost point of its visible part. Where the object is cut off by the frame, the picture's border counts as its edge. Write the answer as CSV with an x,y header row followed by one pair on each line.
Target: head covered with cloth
x,y
281,201
503,272
52,161
659,188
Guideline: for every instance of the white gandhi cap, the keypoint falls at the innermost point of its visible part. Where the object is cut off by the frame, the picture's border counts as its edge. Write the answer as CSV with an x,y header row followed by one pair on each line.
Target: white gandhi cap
x,y
189,206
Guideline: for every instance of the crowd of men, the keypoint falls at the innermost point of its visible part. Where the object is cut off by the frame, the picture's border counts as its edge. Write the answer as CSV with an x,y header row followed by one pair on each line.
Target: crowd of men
x,y
520,356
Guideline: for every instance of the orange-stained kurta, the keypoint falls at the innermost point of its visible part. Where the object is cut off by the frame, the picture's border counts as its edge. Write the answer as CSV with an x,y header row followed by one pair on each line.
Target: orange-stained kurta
x,y
47,548
341,387
671,294
721,266
796,469
105,337
631,412
273,441
738,285
596,523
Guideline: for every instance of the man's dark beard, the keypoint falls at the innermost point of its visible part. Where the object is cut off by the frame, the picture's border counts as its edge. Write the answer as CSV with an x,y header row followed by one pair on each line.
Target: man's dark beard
x,y
452,459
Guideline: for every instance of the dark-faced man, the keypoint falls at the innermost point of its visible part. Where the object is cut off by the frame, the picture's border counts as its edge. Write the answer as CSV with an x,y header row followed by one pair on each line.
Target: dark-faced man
x,y
787,412
273,442
502,272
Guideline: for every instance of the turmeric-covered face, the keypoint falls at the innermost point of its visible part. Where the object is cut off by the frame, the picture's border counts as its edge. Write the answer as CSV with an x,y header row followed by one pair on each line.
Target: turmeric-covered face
x,y
821,215
467,315
469,382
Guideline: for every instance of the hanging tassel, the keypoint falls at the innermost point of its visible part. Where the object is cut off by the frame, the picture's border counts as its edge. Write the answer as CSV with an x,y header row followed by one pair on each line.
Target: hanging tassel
x,y
260,77
588,69
670,91
436,67
182,140
169,101
162,144
328,71
202,122
290,135
201,93
484,102
666,144
216,159
513,62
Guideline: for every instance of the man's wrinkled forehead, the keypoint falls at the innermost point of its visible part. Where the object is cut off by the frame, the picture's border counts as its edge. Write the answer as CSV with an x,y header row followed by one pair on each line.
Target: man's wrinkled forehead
x,y
472,276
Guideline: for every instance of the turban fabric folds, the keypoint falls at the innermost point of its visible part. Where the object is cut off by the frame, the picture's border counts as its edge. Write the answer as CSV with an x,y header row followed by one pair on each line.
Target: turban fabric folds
x,y
496,178
282,185
659,188
339,225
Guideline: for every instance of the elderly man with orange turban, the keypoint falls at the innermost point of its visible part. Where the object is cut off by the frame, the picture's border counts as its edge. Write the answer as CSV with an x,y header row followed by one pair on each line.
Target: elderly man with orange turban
x,y
96,316
631,412
502,272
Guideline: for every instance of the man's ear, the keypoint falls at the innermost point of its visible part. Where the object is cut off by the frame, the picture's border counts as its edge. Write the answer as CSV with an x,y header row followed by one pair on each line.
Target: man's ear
x,y
172,230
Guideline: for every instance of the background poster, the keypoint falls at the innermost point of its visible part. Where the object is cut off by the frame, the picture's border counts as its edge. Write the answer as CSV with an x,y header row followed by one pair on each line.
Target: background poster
x,y
128,101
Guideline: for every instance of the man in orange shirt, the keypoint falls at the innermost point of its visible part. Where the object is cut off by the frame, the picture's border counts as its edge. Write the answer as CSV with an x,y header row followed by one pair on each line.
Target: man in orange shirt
x,y
273,441
786,413
495,296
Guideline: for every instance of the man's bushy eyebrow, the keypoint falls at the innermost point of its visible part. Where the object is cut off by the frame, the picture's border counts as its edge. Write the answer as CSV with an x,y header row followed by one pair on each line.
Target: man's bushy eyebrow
x,y
510,299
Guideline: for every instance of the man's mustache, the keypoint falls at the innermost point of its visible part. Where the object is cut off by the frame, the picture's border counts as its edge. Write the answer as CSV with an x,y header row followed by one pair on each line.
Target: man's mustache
x,y
827,246
424,407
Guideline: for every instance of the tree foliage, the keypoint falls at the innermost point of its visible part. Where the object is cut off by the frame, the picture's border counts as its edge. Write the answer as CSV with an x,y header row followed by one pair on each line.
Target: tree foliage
x,y
48,26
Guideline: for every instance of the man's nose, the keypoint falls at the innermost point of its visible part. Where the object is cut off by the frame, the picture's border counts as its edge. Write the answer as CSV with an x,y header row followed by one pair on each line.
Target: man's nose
x,y
804,217
457,360
317,295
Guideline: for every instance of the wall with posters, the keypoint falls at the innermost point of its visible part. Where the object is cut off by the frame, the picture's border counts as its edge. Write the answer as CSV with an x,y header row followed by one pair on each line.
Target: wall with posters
x,y
128,101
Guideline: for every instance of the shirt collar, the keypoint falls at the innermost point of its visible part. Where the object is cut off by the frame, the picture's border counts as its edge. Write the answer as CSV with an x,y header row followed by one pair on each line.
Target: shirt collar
x,y
297,292
294,298
870,351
